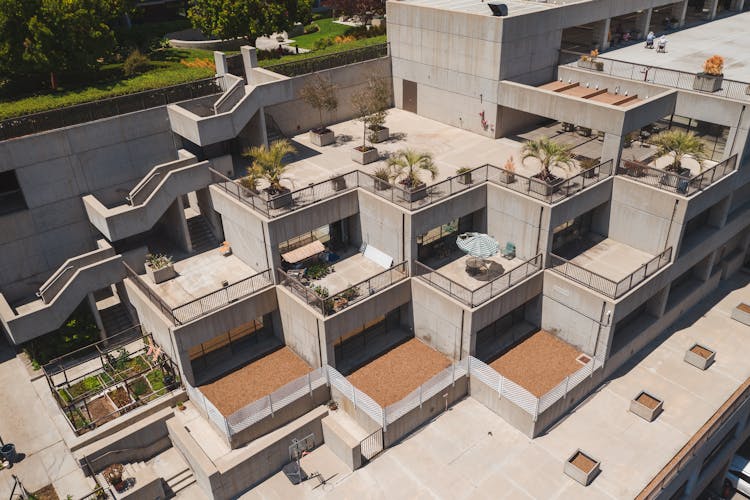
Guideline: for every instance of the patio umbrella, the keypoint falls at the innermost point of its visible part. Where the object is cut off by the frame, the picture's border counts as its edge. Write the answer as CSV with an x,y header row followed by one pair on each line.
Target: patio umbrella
x,y
478,244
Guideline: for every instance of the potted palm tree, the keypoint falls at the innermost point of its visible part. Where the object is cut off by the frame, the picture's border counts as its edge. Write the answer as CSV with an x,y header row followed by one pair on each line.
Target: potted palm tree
x,y
321,95
463,175
549,154
268,164
406,166
587,167
712,76
160,267
678,144
250,182
382,178
370,106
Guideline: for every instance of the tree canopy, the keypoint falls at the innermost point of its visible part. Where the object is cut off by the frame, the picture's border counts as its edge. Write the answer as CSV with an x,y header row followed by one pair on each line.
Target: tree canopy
x,y
248,19
365,9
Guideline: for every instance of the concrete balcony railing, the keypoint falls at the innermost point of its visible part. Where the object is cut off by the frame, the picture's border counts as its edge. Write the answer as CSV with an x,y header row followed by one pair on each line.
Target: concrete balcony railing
x,y
604,285
149,199
673,182
62,293
478,296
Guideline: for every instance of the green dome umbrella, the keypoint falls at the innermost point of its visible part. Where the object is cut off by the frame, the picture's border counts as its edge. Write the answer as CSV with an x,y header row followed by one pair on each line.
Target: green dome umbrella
x,y
478,244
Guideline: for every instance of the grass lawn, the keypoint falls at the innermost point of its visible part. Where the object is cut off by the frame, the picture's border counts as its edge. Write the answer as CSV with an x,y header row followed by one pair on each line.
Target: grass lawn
x,y
166,69
365,42
327,29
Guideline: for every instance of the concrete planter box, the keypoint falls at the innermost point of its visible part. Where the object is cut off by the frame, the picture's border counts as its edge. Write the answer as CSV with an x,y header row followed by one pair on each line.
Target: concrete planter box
x,y
595,65
380,135
464,178
161,275
741,313
700,356
339,183
412,195
364,157
707,83
543,188
646,406
322,138
747,90
381,185
581,468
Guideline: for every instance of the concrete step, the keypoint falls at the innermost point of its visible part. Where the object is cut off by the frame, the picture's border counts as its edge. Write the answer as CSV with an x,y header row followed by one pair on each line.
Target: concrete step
x,y
180,481
201,236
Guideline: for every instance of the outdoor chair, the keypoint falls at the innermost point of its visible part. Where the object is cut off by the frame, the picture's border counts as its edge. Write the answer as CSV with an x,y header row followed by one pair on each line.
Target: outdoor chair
x,y
509,252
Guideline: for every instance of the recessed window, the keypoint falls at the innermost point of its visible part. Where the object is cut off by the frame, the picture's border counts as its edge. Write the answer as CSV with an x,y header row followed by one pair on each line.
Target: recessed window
x,y
11,196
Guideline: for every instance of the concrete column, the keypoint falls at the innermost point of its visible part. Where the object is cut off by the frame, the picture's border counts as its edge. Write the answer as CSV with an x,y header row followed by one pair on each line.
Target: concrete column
x,y
602,37
175,225
737,5
645,22
658,303
612,147
262,127
713,5
122,293
694,476
220,59
97,316
680,12
250,60
717,216
703,269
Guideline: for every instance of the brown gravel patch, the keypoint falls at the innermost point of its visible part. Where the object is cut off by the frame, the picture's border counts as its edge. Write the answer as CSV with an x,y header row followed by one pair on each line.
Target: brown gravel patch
x,y
583,462
255,380
648,401
101,411
744,307
538,363
395,374
701,351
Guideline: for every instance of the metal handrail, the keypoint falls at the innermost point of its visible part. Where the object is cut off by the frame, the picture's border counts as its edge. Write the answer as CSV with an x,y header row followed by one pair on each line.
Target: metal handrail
x,y
49,284
155,299
674,182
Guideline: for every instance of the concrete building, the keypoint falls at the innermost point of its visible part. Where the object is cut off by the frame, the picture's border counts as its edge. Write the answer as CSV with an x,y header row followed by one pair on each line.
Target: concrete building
x,y
351,289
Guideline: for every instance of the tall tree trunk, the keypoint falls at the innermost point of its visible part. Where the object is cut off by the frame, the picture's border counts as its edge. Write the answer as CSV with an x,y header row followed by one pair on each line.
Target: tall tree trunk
x,y
52,80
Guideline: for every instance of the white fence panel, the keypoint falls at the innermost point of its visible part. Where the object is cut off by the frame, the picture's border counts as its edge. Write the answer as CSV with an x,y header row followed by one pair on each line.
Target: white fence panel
x,y
554,395
250,414
519,396
485,373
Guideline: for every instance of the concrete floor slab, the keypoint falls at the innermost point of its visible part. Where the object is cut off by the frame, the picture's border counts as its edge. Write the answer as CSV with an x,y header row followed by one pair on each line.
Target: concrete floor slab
x,y
612,259
349,271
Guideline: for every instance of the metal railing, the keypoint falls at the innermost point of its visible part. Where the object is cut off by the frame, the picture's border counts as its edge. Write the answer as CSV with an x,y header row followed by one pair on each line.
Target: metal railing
x,y
606,286
521,397
62,276
328,61
262,408
105,108
372,445
328,305
153,297
476,297
673,182
666,77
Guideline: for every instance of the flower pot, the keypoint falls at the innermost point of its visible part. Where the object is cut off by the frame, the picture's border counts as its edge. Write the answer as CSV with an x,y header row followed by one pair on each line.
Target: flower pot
x,y
414,194
339,183
280,200
589,173
699,356
543,188
369,155
646,406
581,468
380,135
162,274
707,83
322,138
464,178
381,185
595,65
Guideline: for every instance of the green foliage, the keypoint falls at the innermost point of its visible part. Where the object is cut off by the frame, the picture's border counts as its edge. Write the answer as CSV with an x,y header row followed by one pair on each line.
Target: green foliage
x,y
139,387
79,331
320,94
85,386
145,37
321,291
317,270
135,63
678,144
268,162
64,396
322,43
383,173
361,32
156,379
158,261
248,19
351,293
407,164
371,105
118,361
549,153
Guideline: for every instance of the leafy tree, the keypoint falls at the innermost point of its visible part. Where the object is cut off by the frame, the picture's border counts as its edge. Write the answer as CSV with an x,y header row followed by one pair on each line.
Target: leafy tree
x,y
248,19
678,144
14,19
268,163
365,9
549,153
407,164
371,106
321,95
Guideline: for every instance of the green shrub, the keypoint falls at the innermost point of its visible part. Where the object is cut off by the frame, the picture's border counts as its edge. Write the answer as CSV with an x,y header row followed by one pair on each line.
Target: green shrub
x,y
79,331
156,379
85,386
322,43
135,63
321,291
316,271
360,32
139,387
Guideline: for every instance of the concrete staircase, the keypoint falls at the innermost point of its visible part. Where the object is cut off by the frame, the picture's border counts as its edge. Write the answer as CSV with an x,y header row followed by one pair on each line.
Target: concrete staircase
x,y
201,236
116,319
273,133
179,482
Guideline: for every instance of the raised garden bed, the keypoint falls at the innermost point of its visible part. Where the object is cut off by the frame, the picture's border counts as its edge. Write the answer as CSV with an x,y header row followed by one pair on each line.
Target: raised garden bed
x,y
85,386
119,397
46,493
646,406
101,411
582,468
700,356
139,387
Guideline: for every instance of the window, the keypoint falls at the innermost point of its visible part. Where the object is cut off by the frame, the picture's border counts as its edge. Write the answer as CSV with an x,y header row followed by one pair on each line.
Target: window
x,y
11,196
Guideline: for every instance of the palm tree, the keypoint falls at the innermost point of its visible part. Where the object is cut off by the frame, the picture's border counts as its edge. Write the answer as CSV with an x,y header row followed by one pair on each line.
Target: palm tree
x,y
406,165
268,163
679,144
549,153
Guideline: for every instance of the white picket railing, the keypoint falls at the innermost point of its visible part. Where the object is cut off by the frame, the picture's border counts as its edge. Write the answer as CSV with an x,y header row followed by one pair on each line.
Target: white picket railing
x,y
522,398
358,398
262,408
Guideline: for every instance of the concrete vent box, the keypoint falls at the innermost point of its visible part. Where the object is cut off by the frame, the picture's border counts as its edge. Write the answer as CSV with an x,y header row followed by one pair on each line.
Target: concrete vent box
x,y
581,467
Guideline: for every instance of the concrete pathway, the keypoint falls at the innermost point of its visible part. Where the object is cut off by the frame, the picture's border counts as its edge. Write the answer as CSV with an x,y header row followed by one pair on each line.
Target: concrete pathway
x,y
25,421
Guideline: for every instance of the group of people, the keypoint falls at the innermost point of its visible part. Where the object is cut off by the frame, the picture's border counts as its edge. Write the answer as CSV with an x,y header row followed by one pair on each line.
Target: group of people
x,y
661,44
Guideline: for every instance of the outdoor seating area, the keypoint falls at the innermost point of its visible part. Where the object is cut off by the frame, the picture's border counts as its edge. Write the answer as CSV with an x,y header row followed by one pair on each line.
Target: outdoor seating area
x,y
393,375
538,363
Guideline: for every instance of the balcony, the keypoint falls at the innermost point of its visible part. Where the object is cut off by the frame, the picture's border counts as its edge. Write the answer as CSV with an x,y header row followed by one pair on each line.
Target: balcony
x,y
607,266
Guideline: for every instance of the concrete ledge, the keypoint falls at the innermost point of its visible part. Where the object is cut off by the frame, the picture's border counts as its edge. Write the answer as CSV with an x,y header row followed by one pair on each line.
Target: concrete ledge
x,y
342,444
147,485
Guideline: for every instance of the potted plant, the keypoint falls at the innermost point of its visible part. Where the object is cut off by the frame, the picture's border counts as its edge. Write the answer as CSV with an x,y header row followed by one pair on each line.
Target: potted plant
x,y
250,182
180,406
338,182
509,171
630,138
113,475
382,179
590,62
581,467
634,168
587,167
159,267
405,166
646,406
321,95
712,76
371,107
549,154
463,175
678,144
268,164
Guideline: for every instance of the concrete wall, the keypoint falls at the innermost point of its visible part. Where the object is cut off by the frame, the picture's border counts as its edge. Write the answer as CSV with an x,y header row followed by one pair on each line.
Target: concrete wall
x,y
105,158
302,327
341,443
382,225
516,218
294,115
440,321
